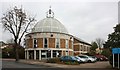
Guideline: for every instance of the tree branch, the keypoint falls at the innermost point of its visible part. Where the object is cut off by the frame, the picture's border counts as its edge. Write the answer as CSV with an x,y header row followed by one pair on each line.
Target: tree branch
x,y
10,26
25,29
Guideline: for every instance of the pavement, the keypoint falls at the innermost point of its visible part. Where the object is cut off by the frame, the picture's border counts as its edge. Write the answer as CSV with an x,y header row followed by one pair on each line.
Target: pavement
x,y
22,64
40,63
100,64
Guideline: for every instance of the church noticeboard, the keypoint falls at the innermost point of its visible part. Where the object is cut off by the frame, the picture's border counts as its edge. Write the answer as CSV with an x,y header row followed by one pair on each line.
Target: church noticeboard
x,y
116,51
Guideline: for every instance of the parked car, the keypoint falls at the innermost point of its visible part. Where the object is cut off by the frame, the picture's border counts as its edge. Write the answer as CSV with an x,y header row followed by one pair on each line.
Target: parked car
x,y
101,57
94,57
83,60
69,58
90,59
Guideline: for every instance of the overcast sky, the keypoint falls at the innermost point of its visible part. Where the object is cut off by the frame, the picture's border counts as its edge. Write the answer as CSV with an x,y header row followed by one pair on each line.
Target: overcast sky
x,y
86,20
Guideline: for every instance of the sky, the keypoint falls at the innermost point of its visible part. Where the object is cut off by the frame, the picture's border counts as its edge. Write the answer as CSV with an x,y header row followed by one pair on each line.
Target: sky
x,y
87,19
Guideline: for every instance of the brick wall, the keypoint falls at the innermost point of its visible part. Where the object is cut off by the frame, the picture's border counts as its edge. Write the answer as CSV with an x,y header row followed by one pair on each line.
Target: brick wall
x,y
51,42
62,43
40,42
76,48
29,43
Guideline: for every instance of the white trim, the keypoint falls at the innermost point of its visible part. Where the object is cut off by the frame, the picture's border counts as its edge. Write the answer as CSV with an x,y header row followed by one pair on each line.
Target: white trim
x,y
34,54
51,53
43,42
42,35
55,42
48,49
81,51
66,43
39,54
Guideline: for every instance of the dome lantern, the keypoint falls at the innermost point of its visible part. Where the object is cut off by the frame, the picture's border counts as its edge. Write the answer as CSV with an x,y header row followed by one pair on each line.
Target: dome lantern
x,y
50,13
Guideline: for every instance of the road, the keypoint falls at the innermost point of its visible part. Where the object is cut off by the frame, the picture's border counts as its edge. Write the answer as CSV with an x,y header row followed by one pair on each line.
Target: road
x,y
12,65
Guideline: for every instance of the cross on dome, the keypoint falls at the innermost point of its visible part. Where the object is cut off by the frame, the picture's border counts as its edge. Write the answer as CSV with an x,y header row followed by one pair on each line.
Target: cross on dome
x,y
49,13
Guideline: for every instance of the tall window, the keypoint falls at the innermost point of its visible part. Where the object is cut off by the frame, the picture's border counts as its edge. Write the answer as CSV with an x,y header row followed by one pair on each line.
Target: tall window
x,y
57,43
45,43
81,47
66,44
84,48
35,43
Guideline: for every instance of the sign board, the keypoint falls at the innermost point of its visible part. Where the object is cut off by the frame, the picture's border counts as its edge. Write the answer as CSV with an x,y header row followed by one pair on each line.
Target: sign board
x,y
119,50
116,51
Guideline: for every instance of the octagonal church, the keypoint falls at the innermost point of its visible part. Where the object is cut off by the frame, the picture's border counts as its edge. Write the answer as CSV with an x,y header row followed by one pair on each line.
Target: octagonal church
x,y
49,38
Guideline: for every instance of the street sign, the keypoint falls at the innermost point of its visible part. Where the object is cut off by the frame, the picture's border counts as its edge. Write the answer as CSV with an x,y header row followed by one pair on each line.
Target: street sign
x,y
119,50
116,51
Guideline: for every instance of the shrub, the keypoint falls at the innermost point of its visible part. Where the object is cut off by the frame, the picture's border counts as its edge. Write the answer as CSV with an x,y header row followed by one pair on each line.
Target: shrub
x,y
53,60
57,60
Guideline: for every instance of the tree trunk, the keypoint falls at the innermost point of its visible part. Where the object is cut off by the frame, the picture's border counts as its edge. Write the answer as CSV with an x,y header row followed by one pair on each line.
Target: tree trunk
x,y
16,53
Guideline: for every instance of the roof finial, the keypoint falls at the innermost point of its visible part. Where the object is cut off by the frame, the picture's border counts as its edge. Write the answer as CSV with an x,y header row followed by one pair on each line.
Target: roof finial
x,y
50,13
50,6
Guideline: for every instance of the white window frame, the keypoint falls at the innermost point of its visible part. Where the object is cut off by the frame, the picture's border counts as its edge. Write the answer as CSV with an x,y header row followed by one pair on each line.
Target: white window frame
x,y
44,43
57,40
67,44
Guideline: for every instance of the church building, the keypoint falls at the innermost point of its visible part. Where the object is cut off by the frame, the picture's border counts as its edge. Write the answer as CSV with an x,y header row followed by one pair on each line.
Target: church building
x,y
49,38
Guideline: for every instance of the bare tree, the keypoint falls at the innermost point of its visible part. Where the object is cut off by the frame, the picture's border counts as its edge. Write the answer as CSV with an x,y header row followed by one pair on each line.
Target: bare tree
x,y
10,41
17,22
100,42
